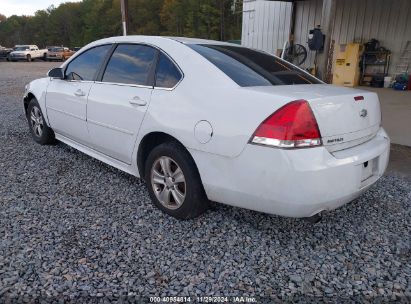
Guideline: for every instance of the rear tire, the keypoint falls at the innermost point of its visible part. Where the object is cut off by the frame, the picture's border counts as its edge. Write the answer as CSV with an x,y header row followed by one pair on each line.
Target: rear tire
x,y
174,183
39,130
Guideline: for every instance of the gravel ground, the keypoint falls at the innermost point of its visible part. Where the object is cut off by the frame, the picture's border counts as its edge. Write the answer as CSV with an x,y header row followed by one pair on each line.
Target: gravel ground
x,y
74,228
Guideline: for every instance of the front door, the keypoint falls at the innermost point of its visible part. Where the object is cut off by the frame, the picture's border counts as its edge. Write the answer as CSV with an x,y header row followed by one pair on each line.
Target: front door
x,y
66,108
66,100
117,105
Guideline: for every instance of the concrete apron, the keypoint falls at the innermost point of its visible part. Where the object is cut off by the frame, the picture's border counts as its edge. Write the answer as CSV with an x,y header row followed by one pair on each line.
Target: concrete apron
x,y
396,114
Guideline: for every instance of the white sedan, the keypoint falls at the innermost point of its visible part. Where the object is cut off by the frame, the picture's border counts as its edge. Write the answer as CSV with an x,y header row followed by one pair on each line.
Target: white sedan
x,y
204,121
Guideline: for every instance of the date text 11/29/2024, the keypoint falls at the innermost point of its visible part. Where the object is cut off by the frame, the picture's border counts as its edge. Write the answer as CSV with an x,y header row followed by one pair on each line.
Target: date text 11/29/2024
x,y
205,299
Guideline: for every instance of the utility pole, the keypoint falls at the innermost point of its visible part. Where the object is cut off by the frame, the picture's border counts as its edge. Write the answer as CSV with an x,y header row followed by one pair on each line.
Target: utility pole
x,y
327,27
124,16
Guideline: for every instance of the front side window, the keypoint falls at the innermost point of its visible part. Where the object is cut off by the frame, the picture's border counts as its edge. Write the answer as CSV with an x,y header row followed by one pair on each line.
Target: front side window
x,y
249,67
87,64
130,64
167,74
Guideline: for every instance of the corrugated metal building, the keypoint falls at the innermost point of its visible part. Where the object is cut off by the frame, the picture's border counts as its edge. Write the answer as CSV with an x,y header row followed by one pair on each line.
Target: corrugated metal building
x,y
266,24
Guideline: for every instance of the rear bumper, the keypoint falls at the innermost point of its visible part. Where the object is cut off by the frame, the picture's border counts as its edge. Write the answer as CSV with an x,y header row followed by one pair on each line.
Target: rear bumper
x,y
294,183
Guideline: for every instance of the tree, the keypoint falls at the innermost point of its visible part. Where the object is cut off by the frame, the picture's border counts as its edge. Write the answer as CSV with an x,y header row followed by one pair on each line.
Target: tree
x,y
172,16
75,24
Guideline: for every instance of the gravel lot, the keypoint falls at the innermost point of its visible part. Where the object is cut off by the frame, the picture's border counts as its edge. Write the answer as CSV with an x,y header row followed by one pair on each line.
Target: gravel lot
x,y
74,228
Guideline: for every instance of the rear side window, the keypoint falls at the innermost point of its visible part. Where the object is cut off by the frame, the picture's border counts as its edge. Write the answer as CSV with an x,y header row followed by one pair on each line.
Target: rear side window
x,y
86,65
253,68
167,74
130,64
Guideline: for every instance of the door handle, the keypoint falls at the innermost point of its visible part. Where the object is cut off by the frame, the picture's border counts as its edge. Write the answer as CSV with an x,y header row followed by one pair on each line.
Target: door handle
x,y
79,93
136,100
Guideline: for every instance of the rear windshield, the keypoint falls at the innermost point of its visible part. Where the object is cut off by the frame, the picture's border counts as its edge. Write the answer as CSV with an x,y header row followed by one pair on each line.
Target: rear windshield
x,y
57,50
253,68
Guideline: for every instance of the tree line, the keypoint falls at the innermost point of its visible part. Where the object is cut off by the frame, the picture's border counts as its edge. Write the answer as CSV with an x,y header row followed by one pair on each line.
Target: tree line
x,y
78,23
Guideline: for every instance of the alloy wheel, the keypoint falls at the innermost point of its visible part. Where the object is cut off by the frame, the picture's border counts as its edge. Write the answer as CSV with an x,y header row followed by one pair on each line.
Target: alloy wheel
x,y
36,120
168,182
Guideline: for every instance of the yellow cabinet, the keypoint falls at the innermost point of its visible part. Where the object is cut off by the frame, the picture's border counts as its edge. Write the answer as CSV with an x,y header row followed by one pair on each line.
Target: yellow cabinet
x,y
347,64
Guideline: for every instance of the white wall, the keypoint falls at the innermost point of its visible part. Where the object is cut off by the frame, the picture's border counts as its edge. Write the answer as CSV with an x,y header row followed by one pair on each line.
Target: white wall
x,y
266,23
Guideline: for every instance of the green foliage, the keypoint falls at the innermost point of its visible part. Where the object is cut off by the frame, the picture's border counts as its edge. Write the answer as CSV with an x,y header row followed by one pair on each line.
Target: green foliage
x,y
78,23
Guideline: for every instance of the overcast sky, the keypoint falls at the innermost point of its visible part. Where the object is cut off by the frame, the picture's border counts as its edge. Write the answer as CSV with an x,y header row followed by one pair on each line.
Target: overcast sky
x,y
27,7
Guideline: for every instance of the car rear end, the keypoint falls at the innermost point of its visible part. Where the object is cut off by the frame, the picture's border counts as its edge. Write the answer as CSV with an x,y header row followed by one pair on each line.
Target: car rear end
x,y
4,52
329,148
308,156
55,54
298,183
318,148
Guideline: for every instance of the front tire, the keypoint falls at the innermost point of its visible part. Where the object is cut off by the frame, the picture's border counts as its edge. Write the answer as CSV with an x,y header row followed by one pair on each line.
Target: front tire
x,y
174,183
39,130
28,58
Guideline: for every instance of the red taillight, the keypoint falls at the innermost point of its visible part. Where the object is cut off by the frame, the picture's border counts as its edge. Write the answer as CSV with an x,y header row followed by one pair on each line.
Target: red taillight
x,y
292,126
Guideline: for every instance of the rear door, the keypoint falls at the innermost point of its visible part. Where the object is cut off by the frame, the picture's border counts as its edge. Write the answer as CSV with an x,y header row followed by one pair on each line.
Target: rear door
x,y
66,100
118,102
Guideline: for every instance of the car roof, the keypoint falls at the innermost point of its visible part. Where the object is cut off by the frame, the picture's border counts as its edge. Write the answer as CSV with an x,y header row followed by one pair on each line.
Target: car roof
x,y
186,40
158,39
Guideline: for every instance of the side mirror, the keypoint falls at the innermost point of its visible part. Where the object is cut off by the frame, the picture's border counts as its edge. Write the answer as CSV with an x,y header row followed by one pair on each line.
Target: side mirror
x,y
56,73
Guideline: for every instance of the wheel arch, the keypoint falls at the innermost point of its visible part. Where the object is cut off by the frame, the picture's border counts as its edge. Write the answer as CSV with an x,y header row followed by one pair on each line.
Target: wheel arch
x,y
26,100
37,89
152,140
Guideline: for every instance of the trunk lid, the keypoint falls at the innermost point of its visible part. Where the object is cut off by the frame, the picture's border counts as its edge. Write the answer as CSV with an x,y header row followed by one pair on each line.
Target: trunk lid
x,y
346,117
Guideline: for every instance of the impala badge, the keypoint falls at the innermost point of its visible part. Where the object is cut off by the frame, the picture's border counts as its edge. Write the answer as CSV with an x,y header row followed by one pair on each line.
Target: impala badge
x,y
363,113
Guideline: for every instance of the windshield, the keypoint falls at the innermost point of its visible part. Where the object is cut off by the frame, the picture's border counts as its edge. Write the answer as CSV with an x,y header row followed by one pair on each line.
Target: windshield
x,y
57,50
22,48
249,67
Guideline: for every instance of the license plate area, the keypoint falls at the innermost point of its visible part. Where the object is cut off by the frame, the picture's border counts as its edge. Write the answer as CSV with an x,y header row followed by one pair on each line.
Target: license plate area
x,y
369,169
